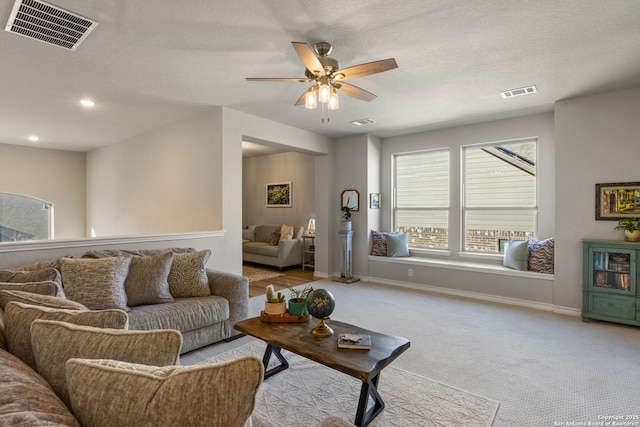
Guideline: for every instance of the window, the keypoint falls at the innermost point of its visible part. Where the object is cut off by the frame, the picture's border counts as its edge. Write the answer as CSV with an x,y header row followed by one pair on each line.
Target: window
x,y
499,194
421,205
25,218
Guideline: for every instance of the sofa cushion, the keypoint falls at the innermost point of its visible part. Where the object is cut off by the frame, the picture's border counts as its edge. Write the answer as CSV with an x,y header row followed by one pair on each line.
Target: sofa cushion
x,y
42,275
26,399
188,277
56,342
268,250
43,288
221,394
184,314
286,232
38,265
96,283
108,253
146,281
40,300
18,318
253,247
263,232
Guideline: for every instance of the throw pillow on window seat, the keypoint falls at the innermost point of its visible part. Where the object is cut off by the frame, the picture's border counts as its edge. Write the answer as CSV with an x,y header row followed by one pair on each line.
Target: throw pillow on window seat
x,y
397,245
516,255
378,243
541,255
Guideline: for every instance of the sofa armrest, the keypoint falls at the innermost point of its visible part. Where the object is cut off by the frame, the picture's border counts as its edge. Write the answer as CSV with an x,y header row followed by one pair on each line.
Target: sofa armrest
x,y
235,289
290,252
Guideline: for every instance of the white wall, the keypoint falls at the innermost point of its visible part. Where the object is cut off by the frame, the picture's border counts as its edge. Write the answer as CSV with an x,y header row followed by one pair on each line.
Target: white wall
x,y
297,168
165,181
53,175
597,141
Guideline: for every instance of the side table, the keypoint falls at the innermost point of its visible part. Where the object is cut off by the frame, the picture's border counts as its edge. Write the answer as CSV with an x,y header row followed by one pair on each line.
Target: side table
x,y
308,251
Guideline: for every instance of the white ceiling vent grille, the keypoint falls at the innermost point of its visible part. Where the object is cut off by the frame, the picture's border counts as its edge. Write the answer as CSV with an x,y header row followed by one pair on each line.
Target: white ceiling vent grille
x,y
363,122
520,91
48,23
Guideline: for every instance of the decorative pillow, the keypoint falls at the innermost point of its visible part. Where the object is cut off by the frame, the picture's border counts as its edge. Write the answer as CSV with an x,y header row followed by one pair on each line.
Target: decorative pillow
x,y
378,244
3,338
286,232
516,254
39,265
42,288
248,234
146,281
18,318
541,255
56,342
397,244
43,275
96,283
147,395
110,253
274,238
188,277
40,300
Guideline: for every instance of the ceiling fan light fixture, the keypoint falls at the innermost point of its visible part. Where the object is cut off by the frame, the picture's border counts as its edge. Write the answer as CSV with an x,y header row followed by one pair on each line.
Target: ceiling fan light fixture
x,y
311,99
324,90
334,103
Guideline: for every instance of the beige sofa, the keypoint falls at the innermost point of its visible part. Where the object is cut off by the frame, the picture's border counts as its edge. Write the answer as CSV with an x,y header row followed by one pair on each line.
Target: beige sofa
x,y
264,244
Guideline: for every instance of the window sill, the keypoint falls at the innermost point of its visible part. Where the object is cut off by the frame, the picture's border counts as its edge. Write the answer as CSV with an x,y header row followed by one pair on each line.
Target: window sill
x,y
463,266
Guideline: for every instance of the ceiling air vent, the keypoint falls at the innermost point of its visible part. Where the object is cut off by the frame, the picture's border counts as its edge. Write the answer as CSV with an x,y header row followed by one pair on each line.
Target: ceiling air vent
x,y
48,23
363,122
520,91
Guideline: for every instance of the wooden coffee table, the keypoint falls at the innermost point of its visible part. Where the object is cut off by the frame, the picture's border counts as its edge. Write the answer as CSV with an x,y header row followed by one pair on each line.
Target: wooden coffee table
x,y
364,365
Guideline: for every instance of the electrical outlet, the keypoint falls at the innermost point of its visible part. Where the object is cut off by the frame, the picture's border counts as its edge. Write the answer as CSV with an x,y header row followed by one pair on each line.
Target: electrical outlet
x,y
410,272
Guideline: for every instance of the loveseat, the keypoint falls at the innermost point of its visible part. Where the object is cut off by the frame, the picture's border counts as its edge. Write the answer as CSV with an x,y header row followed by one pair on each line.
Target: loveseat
x,y
275,245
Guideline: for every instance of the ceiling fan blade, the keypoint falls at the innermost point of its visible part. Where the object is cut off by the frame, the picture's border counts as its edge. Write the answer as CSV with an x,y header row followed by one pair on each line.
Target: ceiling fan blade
x,y
354,91
272,79
366,69
309,59
302,99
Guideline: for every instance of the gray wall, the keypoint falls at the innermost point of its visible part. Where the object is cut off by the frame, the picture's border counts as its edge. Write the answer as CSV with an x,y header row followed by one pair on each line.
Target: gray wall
x,y
597,141
55,176
297,168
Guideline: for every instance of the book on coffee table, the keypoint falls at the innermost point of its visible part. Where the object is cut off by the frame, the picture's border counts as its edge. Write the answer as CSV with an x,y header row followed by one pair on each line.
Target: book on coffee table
x,y
354,341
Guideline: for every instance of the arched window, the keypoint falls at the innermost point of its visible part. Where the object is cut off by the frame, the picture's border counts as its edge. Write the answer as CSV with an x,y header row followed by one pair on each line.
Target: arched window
x,y
25,218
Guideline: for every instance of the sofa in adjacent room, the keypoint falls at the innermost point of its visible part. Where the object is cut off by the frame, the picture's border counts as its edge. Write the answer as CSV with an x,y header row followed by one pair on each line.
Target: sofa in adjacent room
x,y
275,245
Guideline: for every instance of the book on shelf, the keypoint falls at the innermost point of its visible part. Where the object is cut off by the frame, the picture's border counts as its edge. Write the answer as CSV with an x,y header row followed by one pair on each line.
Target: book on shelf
x,y
354,341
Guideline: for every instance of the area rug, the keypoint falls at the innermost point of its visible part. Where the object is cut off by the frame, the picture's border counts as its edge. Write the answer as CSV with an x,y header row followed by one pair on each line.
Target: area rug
x,y
308,392
256,274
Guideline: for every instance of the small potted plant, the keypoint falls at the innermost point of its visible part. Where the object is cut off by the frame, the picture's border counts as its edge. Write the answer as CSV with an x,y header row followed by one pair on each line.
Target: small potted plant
x,y
275,304
345,225
298,301
631,227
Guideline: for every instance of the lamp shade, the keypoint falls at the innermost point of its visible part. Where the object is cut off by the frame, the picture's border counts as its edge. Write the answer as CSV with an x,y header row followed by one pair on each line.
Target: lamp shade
x,y
311,228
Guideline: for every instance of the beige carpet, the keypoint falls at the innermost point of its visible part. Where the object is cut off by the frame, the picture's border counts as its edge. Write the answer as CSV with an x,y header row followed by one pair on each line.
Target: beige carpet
x,y
308,392
256,274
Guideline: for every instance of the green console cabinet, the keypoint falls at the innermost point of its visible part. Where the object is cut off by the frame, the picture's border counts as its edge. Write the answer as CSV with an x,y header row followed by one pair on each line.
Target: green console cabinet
x,y
610,290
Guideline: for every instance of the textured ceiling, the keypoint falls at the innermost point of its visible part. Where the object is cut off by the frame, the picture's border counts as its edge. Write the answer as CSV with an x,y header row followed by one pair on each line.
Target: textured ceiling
x,y
152,62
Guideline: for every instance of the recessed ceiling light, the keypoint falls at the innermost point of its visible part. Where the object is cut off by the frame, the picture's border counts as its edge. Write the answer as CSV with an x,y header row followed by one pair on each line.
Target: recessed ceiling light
x,y
34,138
520,91
87,103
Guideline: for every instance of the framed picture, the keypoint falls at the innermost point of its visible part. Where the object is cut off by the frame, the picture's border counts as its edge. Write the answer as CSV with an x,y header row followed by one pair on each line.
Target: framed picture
x,y
374,200
618,200
350,198
279,195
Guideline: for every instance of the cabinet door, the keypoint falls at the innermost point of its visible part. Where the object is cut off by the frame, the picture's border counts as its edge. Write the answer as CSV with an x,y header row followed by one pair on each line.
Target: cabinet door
x,y
612,270
612,306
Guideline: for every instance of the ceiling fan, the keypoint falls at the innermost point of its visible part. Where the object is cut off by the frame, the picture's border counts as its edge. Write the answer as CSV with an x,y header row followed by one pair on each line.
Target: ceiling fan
x,y
329,78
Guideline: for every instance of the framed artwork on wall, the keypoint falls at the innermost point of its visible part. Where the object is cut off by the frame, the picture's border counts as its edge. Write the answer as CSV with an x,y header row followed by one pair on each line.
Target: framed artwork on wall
x,y
617,200
350,198
279,195
374,200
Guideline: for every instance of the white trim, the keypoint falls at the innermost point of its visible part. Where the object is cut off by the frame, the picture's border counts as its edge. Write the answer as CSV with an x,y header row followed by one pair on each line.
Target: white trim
x,y
478,296
100,241
462,265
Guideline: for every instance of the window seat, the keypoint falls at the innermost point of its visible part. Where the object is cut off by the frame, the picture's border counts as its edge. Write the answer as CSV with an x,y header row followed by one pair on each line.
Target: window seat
x,y
462,265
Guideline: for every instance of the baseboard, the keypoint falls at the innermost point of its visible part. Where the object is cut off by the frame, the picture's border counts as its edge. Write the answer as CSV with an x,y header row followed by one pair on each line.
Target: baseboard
x,y
569,311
